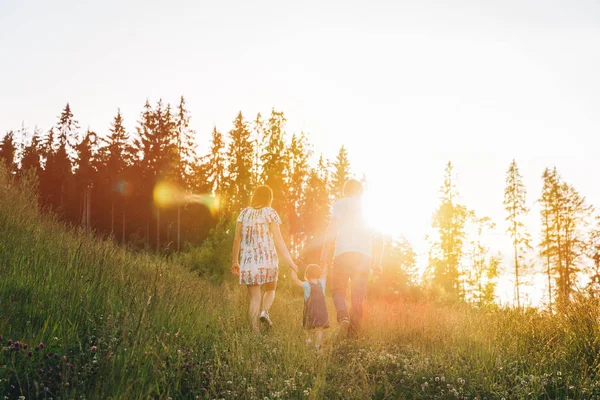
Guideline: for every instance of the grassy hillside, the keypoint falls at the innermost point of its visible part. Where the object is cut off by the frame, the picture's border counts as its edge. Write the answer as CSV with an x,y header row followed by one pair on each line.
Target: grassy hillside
x,y
120,325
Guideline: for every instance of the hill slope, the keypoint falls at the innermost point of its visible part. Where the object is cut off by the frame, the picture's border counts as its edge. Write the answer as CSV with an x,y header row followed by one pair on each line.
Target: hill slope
x,y
116,324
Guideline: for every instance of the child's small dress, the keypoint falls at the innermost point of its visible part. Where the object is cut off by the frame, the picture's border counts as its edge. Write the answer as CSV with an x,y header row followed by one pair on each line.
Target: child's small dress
x,y
315,309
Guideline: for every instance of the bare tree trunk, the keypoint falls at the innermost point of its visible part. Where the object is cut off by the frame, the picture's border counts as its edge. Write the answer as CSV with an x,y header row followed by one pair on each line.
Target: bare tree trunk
x,y
548,267
157,229
112,216
89,208
517,275
124,211
83,208
178,227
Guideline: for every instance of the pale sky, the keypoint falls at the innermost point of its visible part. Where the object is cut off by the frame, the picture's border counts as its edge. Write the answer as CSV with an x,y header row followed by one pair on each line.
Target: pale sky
x,y
405,85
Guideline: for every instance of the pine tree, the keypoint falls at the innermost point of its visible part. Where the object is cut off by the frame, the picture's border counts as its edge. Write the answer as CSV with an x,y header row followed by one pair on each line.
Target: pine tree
x,y
297,171
593,253
216,163
449,220
58,170
341,173
8,150
564,216
516,207
480,277
315,211
547,245
32,154
115,157
186,154
84,175
239,161
576,216
274,158
399,273
258,138
157,146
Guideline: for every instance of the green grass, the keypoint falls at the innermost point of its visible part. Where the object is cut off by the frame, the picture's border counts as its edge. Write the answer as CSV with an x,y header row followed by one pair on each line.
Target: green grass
x,y
133,326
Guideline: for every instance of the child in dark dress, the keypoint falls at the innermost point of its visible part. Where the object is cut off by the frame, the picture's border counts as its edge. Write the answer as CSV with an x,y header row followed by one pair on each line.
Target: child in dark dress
x,y
315,317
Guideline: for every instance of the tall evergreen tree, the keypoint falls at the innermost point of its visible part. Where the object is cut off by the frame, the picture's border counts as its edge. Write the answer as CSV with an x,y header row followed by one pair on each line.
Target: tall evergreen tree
x,y
341,173
8,150
116,156
449,219
481,276
547,245
516,207
258,138
565,214
32,153
216,163
297,171
84,175
67,129
58,169
315,210
186,153
576,217
239,161
593,253
274,157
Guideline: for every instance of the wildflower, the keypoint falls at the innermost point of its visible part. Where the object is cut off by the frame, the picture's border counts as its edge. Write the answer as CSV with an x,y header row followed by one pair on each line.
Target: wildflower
x,y
37,348
437,378
10,342
559,373
41,345
571,387
47,356
94,348
25,347
229,383
30,354
56,356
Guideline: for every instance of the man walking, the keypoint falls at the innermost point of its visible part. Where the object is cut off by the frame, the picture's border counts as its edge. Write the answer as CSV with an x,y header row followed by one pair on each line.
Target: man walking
x,y
357,250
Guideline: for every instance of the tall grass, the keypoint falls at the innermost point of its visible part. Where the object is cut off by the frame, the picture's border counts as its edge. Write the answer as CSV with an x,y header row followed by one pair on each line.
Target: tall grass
x,y
120,325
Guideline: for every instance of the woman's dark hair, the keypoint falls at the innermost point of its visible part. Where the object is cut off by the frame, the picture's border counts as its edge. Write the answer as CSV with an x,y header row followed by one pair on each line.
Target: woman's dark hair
x,y
262,197
352,188
313,271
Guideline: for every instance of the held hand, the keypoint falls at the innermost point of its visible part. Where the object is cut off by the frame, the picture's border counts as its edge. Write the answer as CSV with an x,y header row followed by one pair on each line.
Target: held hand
x,y
235,268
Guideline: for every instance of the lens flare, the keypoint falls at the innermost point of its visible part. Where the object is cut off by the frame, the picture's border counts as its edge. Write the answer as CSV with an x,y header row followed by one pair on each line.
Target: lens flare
x,y
168,195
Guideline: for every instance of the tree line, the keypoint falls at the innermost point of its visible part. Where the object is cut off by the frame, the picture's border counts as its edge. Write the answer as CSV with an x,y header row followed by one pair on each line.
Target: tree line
x,y
568,254
105,181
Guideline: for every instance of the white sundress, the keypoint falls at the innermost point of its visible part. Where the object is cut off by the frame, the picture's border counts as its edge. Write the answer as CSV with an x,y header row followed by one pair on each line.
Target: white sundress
x,y
258,256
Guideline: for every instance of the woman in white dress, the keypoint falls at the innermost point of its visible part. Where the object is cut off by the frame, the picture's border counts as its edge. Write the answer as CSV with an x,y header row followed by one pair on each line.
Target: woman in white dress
x,y
256,244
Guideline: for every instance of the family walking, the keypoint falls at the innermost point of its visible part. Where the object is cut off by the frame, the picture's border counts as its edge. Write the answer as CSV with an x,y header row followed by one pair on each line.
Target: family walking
x,y
351,250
